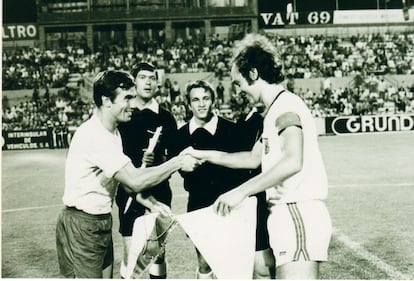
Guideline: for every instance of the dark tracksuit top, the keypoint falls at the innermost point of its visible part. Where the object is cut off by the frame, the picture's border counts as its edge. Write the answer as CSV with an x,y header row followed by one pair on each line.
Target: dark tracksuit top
x,y
135,138
209,181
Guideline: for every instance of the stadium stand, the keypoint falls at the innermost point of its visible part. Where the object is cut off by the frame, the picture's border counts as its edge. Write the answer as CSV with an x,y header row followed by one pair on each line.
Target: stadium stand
x,y
366,58
337,68
303,57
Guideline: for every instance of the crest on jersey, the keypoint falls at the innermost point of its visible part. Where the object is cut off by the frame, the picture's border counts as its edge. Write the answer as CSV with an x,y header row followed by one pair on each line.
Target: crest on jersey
x,y
266,145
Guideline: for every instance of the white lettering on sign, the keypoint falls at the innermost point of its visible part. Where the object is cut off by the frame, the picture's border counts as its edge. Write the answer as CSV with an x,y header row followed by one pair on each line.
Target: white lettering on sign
x,y
292,18
352,125
19,31
319,17
277,18
376,123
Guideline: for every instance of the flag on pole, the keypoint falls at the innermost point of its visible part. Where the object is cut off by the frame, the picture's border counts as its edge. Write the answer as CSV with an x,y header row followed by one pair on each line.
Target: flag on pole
x,y
223,239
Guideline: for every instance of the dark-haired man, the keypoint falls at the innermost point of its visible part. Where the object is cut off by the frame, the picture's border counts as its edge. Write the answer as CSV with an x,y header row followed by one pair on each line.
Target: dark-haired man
x,y
293,173
95,165
205,130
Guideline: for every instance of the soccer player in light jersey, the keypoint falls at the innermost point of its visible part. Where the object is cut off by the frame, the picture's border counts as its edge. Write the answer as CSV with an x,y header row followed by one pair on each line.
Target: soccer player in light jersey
x,y
293,173
95,165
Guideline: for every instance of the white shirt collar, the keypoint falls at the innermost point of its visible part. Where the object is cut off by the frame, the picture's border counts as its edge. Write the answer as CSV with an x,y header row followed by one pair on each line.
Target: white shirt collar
x,y
151,105
210,126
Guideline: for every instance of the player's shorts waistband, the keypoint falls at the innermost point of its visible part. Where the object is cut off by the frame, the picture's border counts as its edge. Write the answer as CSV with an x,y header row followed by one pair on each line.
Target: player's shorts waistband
x,y
86,215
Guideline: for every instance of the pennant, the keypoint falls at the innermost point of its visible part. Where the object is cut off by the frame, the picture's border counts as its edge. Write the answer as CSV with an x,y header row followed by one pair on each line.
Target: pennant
x,y
148,241
226,243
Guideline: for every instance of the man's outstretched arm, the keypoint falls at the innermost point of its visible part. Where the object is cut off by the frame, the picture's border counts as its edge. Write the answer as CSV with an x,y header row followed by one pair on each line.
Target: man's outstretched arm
x,y
234,160
140,179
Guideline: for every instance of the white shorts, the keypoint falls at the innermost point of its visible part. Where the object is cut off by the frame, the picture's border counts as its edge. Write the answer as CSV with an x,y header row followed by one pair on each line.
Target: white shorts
x,y
299,231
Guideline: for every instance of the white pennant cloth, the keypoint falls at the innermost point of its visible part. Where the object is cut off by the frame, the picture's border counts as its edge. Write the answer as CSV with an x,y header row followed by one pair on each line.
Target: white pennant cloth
x,y
227,243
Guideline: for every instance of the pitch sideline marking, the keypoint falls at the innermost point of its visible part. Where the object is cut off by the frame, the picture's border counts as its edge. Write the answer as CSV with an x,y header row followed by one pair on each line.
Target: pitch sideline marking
x,y
371,258
57,205
30,208
402,184
181,195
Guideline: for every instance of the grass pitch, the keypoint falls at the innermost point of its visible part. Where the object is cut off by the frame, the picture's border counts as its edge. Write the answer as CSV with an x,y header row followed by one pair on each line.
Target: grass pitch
x,y
371,197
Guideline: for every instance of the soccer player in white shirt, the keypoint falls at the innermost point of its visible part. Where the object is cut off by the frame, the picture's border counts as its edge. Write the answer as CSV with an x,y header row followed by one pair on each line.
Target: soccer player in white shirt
x,y
95,165
293,174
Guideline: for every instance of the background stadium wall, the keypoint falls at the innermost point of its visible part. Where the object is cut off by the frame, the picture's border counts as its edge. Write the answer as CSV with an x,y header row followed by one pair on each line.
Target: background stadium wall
x,y
343,30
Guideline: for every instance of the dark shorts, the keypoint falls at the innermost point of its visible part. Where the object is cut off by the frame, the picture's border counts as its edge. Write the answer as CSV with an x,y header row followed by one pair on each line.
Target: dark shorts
x,y
262,234
84,243
198,201
126,221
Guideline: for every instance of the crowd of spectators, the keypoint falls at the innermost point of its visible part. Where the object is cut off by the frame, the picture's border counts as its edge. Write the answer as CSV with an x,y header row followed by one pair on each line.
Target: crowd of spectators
x,y
302,57
32,67
368,58
333,56
371,95
66,108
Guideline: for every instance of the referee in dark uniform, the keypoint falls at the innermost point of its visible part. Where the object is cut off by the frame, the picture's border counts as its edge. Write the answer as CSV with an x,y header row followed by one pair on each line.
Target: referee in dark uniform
x,y
147,117
207,131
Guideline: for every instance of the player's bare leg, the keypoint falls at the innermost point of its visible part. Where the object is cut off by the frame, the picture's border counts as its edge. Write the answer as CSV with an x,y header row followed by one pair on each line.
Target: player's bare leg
x,y
264,265
304,270
126,242
204,271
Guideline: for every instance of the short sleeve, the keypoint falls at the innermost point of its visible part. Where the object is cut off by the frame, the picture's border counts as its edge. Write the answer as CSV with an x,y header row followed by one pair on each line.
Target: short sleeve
x,y
286,120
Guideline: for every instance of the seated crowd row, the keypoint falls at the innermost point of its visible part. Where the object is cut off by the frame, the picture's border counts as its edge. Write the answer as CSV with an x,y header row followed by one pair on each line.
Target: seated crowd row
x,y
301,56
372,95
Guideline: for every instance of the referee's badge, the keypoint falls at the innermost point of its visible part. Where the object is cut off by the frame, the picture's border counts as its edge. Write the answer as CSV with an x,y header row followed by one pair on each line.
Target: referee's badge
x,y
266,145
